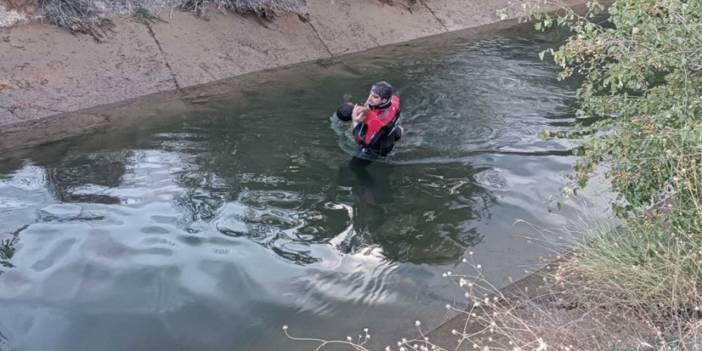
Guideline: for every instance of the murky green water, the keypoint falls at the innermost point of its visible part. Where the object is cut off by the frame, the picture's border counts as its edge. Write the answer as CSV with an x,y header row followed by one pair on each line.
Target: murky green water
x,y
210,228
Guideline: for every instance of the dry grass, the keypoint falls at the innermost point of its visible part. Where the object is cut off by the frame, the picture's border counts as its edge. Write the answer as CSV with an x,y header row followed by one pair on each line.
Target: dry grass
x,y
265,9
91,16
78,16
572,311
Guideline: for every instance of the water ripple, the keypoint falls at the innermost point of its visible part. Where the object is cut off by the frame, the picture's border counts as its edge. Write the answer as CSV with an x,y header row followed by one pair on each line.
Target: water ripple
x,y
241,212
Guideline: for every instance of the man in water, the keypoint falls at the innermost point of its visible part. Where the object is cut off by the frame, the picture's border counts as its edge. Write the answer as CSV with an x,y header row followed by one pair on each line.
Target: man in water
x,y
375,124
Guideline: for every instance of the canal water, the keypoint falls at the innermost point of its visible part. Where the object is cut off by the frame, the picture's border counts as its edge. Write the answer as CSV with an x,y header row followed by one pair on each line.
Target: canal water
x,y
210,227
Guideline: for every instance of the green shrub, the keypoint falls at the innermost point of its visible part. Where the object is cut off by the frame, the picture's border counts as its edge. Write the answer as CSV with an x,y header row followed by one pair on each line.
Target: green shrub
x,y
642,83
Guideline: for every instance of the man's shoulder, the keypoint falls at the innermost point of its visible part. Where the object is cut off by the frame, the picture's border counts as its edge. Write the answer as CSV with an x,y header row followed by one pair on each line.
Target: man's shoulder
x,y
395,101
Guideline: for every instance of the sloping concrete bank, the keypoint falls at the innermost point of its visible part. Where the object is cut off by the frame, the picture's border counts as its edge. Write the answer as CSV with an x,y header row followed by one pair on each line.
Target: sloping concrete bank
x,y
47,74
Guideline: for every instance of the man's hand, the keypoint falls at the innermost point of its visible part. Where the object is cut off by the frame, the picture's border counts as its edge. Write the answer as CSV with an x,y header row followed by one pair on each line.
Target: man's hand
x,y
359,113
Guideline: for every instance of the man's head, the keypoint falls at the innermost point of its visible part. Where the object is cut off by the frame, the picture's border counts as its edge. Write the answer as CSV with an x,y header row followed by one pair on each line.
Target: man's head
x,y
344,112
380,93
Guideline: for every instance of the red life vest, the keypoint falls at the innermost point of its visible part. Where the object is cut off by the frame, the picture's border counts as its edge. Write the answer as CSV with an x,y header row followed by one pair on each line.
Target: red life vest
x,y
376,119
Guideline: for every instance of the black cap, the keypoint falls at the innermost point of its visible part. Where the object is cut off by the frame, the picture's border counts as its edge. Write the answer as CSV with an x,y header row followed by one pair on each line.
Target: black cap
x,y
383,89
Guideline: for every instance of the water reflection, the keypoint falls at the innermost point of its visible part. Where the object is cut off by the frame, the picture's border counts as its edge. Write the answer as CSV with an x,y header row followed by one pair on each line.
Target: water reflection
x,y
7,250
414,217
81,178
412,213
241,213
